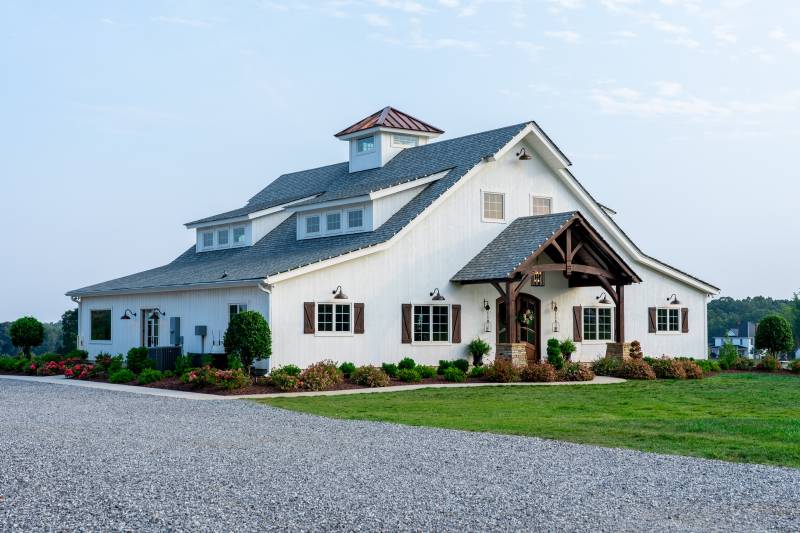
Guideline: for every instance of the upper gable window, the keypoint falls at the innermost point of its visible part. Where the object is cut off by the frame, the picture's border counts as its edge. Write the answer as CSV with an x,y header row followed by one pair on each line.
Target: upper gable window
x,y
333,221
365,145
494,206
400,140
542,205
355,218
312,224
208,239
221,237
239,235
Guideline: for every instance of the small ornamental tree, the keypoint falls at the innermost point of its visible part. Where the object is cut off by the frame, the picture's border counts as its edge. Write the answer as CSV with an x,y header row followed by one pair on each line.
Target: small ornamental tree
x,y
727,355
249,337
25,333
774,334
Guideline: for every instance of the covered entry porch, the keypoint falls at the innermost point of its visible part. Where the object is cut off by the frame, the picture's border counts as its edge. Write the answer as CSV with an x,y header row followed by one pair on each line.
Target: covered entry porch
x,y
517,262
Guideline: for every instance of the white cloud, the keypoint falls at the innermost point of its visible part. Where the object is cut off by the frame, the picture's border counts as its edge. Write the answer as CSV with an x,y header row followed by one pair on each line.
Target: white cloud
x,y
568,4
669,88
469,10
684,41
618,5
567,36
530,48
407,6
780,36
724,35
180,21
374,19
624,34
450,3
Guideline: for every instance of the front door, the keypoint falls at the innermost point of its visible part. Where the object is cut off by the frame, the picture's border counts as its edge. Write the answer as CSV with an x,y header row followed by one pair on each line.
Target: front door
x,y
150,328
528,323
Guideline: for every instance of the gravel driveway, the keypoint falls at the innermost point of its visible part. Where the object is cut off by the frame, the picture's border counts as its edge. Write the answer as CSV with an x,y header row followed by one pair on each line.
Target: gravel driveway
x,y
73,458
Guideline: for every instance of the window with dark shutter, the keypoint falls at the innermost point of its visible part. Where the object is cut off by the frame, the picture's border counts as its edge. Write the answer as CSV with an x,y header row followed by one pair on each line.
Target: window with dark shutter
x,y
358,323
405,334
455,310
308,317
577,323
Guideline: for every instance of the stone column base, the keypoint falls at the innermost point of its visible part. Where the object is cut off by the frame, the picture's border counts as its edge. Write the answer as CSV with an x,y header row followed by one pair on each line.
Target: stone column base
x,y
619,350
512,352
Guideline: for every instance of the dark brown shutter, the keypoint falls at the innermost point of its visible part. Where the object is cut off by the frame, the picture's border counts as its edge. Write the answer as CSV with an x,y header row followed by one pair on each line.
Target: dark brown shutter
x,y
577,323
456,316
651,319
685,320
308,317
358,321
405,336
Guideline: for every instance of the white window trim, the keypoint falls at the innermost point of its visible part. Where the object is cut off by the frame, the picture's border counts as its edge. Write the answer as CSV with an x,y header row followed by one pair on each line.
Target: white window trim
x,y
306,218
583,325
214,230
679,331
449,341
483,211
541,197
240,303
344,222
318,333
400,145
347,217
111,309
365,152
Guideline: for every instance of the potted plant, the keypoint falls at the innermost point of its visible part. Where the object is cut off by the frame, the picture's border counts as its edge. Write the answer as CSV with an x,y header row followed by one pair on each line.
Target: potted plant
x,y
478,348
567,349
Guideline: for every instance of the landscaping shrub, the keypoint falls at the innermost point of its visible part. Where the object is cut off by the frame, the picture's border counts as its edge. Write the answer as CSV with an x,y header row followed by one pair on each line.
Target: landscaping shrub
x,y
794,366
443,365
182,364
51,368
538,373
461,364
77,354
138,361
666,368
26,333
149,375
406,363
567,349
693,371
121,376
454,374
635,369
478,348
248,336
554,356
769,363
323,375
774,334
575,372
166,374
390,369
78,369
426,371
727,355
285,378
478,371
369,376
234,362
292,370
708,365
502,371
234,378
636,350
347,369
12,364
742,363
606,366
49,357
409,375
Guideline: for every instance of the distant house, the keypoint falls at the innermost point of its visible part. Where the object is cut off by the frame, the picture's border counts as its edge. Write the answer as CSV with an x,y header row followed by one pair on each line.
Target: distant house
x,y
743,337
412,247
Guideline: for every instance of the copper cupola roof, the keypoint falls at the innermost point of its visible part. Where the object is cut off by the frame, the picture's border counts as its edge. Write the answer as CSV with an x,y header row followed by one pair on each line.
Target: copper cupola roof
x,y
389,117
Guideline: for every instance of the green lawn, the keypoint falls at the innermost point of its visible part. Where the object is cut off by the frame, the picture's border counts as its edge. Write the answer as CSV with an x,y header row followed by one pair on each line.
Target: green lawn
x,y
752,418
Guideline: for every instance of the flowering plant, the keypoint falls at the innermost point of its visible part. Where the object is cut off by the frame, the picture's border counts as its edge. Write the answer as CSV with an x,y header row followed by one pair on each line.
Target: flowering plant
x,y
79,371
51,368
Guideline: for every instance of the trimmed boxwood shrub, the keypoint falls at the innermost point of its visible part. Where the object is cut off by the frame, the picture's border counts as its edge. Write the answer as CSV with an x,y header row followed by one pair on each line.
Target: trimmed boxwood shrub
x,y
122,376
248,336
321,376
406,363
554,356
443,365
369,376
606,366
635,369
347,369
408,375
665,368
454,374
461,364
538,373
390,369
478,371
149,375
575,372
138,361
426,371
502,371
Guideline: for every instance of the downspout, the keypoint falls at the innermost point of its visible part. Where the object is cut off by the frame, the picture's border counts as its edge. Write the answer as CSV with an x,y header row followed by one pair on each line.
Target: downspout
x,y
78,343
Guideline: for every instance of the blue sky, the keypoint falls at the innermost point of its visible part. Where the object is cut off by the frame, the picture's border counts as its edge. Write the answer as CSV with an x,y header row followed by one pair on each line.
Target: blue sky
x,y
120,121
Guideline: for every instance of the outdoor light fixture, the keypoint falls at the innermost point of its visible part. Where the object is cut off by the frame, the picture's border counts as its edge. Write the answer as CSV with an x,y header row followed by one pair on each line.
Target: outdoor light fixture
x,y
436,296
339,294
602,299
554,307
487,326
673,300
127,315
522,155
156,312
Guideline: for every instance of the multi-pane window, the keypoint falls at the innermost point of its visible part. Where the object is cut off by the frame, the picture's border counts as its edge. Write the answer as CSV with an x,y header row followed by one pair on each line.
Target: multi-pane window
x,y
208,239
150,328
367,144
222,237
431,323
537,279
667,320
597,324
333,221
334,318
312,224
100,324
239,235
542,205
355,218
404,141
235,309
494,206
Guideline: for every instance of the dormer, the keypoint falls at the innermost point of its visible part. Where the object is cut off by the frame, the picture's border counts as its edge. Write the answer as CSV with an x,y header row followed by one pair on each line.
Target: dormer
x,y
376,139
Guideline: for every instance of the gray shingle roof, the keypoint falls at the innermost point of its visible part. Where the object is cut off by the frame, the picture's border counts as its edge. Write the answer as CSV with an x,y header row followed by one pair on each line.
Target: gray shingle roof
x,y
280,251
521,239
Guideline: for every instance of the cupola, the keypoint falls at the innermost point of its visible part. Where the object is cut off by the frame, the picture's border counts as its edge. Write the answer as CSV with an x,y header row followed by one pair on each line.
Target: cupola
x,y
376,139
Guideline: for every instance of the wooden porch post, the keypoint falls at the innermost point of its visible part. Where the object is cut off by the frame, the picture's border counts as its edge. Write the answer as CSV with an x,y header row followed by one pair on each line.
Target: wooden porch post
x,y
620,313
511,313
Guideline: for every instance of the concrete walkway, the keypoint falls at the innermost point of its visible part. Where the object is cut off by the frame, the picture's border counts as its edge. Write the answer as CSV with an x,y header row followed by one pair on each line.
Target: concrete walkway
x,y
187,395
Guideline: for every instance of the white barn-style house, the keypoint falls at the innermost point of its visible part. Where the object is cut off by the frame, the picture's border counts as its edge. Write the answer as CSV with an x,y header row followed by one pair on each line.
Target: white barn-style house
x,y
412,247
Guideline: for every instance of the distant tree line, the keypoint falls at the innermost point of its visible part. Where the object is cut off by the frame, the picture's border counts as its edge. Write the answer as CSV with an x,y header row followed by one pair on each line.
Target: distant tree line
x,y
57,337
726,313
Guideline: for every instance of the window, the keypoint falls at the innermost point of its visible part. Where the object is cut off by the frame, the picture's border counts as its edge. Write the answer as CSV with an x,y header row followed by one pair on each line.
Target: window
x,y
668,320
333,221
239,235
494,206
355,218
208,239
235,309
597,323
537,279
542,205
367,144
404,141
334,318
101,325
222,237
431,323
312,224
150,328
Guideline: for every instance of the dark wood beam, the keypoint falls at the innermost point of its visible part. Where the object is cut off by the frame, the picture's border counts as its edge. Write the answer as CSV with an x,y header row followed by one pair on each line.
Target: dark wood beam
x,y
620,313
497,286
511,313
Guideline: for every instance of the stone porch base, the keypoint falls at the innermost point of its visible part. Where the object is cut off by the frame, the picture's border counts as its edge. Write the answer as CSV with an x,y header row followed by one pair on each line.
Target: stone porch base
x,y
619,350
512,352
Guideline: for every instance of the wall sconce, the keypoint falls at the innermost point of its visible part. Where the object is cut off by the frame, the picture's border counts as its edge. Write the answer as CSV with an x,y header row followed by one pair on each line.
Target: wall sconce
x,y
127,315
673,300
436,296
339,295
522,155
603,299
155,314
554,307
487,326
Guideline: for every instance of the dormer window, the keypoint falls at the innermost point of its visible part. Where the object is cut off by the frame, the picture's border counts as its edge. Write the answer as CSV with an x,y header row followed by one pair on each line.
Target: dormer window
x,y
221,237
208,239
333,221
365,145
337,221
312,225
240,235
400,140
355,218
